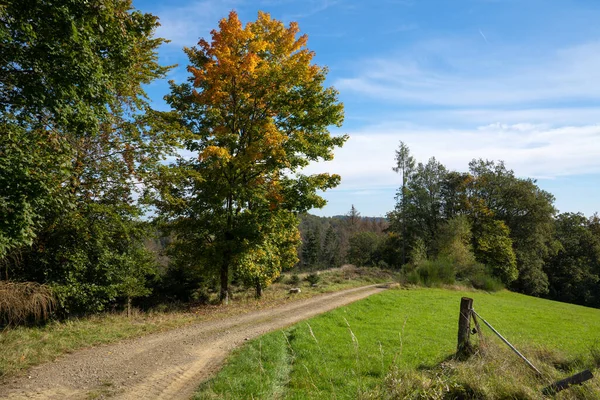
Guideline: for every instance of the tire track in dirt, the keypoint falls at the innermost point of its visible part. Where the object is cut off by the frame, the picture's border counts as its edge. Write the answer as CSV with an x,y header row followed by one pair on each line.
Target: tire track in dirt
x,y
167,365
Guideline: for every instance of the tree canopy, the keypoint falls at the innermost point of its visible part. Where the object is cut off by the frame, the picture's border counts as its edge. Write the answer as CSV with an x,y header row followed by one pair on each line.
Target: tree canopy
x,y
257,112
78,136
510,219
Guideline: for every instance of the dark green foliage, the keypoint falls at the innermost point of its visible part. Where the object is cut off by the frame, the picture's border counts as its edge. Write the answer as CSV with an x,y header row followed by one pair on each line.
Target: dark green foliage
x,y
574,272
294,280
331,237
484,280
509,220
390,250
90,258
78,135
313,278
527,211
311,249
494,248
362,248
433,272
30,167
418,212
330,252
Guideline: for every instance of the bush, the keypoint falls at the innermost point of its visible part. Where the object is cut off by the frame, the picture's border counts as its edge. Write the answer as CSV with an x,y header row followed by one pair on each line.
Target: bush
x,y
440,271
294,280
486,282
313,278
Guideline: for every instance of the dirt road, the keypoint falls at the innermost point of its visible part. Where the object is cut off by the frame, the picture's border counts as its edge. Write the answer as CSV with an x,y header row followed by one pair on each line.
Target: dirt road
x,y
167,365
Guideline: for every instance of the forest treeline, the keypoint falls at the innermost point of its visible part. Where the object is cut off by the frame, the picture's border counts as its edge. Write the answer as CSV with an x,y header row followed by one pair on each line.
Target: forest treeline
x,y
485,226
90,172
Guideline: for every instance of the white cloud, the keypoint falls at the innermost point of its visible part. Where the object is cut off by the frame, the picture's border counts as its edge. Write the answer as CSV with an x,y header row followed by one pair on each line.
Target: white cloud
x,y
460,73
531,150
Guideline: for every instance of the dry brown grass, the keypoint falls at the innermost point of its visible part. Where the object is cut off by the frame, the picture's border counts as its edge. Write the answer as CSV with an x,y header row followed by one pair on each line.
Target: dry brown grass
x,y
492,374
24,301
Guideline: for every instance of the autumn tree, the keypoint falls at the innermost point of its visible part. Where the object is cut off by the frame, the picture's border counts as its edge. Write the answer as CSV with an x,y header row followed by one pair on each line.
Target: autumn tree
x,y
257,112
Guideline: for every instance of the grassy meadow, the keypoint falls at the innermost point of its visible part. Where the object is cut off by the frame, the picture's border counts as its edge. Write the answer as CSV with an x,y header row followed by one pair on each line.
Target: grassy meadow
x,y
399,344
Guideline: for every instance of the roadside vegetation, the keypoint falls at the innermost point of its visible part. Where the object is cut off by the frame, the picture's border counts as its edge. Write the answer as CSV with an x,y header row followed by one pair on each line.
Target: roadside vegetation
x,y
24,346
399,344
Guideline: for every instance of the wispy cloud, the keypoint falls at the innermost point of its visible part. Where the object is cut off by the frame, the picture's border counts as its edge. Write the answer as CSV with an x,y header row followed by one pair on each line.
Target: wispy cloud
x,y
483,36
468,77
312,7
185,24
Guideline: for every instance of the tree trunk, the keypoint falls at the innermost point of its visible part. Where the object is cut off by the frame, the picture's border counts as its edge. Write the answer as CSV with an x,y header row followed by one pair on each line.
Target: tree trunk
x,y
224,295
403,217
128,307
258,289
224,273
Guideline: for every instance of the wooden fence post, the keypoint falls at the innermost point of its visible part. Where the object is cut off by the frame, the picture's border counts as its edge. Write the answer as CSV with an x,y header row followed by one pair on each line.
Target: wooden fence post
x,y
464,348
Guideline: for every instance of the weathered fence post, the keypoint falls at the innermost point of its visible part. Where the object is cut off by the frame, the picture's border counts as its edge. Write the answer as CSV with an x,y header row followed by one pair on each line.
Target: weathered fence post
x,y
464,348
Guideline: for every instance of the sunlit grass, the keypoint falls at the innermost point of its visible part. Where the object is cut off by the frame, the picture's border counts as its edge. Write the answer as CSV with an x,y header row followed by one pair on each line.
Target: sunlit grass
x,y
364,349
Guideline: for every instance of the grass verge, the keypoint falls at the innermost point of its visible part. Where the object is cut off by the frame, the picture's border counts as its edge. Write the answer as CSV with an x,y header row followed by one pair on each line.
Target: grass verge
x,y
23,347
399,344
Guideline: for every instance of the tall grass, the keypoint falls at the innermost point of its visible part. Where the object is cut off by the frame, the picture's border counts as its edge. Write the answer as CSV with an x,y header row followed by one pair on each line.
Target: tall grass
x,y
24,301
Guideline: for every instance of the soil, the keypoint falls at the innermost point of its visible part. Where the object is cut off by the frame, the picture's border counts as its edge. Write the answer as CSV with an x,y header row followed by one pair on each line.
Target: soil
x,y
167,365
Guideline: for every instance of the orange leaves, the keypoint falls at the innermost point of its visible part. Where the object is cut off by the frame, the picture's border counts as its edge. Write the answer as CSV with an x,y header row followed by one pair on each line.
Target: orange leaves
x,y
217,152
241,58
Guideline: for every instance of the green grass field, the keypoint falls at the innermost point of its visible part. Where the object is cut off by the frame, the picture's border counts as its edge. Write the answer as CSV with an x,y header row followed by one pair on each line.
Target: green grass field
x,y
397,345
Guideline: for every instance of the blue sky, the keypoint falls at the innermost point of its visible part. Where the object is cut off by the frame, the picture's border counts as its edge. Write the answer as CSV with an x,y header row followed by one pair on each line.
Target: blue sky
x,y
512,80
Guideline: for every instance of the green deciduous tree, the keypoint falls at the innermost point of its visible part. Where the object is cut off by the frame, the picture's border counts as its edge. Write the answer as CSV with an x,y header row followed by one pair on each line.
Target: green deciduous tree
x,y
419,206
574,272
257,112
362,247
528,213
78,136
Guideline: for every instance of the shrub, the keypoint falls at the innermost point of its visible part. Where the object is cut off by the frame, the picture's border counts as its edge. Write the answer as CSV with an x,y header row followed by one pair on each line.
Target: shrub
x,y
440,271
313,278
486,282
294,280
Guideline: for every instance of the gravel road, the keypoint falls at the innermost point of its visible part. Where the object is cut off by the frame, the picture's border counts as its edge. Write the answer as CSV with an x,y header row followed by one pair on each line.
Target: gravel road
x,y
167,365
